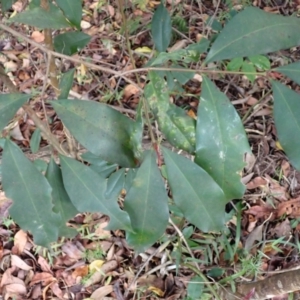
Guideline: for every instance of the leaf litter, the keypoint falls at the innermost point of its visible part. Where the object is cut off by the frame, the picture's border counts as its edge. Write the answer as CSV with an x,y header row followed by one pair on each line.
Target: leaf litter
x,y
269,225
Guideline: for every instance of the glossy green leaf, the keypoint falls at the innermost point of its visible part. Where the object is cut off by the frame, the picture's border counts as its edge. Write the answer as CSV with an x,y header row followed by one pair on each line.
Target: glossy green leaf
x,y
101,129
31,195
35,140
176,125
115,184
147,205
7,4
287,121
221,141
70,43
261,62
235,64
72,10
161,28
291,70
196,194
66,83
249,70
9,105
86,190
39,17
97,164
62,203
254,31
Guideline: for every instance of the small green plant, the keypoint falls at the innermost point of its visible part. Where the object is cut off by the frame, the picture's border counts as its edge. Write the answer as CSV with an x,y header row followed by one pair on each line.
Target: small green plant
x,y
116,160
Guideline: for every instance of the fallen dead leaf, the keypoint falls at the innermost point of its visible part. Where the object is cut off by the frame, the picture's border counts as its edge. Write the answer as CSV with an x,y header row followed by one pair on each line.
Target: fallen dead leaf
x,y
44,278
18,262
38,36
256,182
98,276
102,292
20,241
129,91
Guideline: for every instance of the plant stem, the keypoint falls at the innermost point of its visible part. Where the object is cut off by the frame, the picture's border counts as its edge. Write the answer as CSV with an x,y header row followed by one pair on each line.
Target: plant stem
x,y
145,103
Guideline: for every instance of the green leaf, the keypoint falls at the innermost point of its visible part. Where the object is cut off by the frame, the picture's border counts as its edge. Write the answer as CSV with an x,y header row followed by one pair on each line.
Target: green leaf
x,y
176,125
70,43
7,4
221,141
115,184
249,68
31,195
101,129
196,194
235,64
66,83
9,105
260,62
100,166
181,76
147,205
39,17
287,121
86,190
291,70
161,28
72,10
199,47
253,32
195,287
62,203
35,141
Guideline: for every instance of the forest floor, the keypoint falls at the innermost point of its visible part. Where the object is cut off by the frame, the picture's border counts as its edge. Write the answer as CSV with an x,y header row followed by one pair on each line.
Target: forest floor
x,y
254,245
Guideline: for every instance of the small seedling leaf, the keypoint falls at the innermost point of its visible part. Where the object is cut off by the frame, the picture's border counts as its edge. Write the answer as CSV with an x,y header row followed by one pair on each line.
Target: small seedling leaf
x,y
35,140
147,205
221,141
66,83
31,195
161,28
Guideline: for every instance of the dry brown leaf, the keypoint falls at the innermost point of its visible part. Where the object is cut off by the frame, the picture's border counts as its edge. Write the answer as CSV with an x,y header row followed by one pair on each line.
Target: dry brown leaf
x,y
260,211
98,276
44,278
45,267
56,290
276,190
80,271
129,91
283,229
38,36
12,285
290,208
256,182
20,241
102,292
19,263
72,251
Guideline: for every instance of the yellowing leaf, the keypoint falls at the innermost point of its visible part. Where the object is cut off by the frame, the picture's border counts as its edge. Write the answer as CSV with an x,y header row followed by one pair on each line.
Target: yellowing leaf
x,y
278,146
96,265
143,50
156,291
